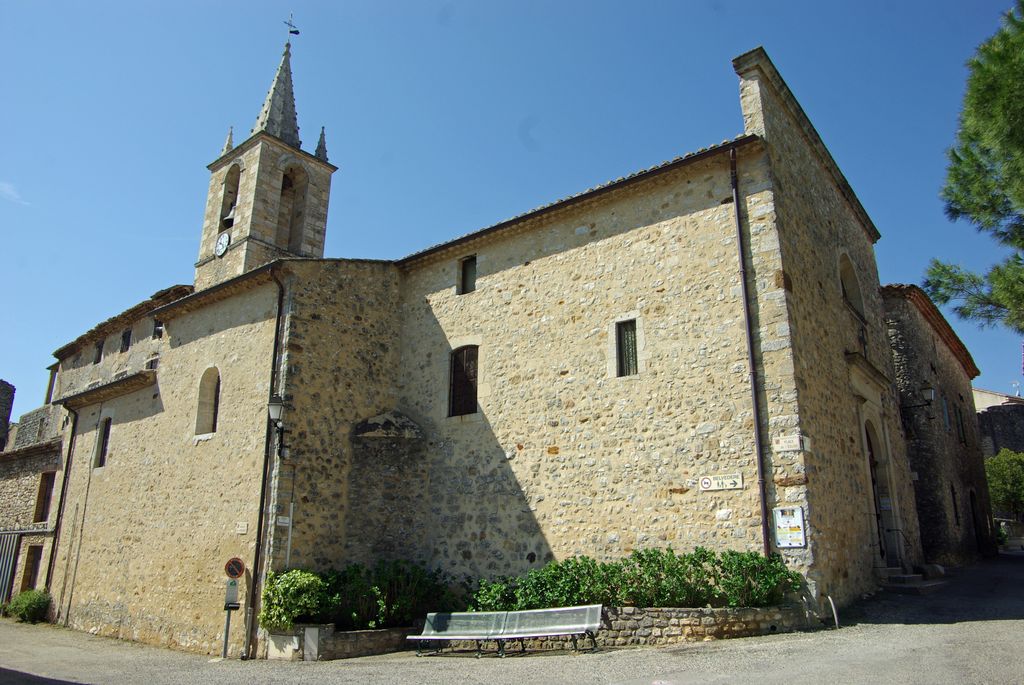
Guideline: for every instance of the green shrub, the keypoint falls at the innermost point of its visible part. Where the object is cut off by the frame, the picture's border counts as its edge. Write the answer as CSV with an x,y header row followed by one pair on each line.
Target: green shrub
x,y
661,578
494,595
291,597
30,606
570,582
748,579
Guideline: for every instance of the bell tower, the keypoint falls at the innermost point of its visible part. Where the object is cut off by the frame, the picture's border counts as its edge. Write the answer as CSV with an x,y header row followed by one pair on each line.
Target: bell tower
x,y
267,198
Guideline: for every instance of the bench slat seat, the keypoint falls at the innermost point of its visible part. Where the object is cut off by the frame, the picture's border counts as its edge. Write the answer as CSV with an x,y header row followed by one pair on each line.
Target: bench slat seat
x,y
502,626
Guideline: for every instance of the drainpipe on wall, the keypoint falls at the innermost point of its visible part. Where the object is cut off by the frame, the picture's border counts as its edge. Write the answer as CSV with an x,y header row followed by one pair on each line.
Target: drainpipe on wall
x,y
268,452
63,495
758,444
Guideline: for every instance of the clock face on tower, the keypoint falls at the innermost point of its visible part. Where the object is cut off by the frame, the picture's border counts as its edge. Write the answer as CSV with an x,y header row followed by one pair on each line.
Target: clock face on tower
x,y
223,240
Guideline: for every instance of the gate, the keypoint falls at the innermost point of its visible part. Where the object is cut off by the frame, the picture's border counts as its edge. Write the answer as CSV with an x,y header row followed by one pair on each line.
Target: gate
x,y
8,559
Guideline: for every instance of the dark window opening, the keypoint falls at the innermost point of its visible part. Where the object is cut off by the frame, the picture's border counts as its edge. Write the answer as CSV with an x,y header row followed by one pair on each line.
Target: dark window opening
x,y
956,509
30,576
158,329
467,275
97,352
625,348
229,197
463,384
152,363
43,498
104,442
126,339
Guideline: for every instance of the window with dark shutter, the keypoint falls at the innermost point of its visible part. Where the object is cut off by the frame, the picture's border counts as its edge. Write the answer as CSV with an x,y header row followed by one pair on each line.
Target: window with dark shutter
x,y
126,339
462,390
467,275
625,346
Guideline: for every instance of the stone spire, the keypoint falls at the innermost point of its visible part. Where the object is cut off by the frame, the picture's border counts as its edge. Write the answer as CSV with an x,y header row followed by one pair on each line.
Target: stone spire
x,y
229,142
278,114
321,146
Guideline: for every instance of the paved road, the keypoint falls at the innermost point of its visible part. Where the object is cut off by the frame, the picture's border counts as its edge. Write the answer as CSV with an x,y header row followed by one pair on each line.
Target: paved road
x,y
972,631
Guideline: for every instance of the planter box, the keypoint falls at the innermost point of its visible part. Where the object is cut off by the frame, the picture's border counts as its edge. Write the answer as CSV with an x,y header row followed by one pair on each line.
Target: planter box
x,y
320,642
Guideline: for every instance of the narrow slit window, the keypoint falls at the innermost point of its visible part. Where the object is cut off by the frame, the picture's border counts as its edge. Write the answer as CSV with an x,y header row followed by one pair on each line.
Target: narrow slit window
x,y
463,383
104,442
126,339
625,348
956,509
97,354
467,275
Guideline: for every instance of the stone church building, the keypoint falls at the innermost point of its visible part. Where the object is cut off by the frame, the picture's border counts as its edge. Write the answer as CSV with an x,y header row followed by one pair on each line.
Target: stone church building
x,y
695,354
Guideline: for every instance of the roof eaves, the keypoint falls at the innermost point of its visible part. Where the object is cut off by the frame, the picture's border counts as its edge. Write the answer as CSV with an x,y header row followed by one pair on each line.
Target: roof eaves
x,y
621,182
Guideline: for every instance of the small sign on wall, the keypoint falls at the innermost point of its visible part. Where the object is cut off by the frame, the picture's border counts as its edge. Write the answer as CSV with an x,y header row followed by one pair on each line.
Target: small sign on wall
x,y
789,527
729,481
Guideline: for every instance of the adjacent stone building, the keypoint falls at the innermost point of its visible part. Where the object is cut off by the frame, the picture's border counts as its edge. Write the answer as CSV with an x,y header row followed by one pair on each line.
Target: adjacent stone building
x,y
933,373
1000,421
695,354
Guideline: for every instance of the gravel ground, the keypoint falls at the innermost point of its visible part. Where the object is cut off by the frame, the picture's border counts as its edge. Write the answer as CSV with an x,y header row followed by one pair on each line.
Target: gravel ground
x,y
969,632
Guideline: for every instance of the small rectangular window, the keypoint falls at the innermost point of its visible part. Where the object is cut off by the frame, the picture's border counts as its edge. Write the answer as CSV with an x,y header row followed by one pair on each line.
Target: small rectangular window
x,y
152,363
97,352
625,348
467,275
43,498
126,339
945,414
158,329
104,442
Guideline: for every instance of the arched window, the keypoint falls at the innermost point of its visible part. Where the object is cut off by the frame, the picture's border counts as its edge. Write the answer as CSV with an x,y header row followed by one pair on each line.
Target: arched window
x,y
850,286
462,383
229,198
209,402
292,209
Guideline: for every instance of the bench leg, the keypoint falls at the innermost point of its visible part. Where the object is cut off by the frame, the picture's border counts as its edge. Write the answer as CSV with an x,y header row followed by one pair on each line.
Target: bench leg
x,y
575,647
479,649
593,641
501,648
522,645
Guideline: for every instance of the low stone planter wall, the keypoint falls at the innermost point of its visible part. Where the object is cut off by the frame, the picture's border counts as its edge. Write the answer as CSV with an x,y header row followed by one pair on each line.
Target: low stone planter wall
x,y
623,626
660,626
620,627
320,642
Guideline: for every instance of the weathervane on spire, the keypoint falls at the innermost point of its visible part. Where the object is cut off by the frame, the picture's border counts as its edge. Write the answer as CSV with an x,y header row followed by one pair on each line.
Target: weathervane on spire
x,y
293,30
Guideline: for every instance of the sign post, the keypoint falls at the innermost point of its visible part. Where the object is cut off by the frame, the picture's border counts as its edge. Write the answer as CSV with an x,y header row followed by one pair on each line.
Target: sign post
x,y
235,569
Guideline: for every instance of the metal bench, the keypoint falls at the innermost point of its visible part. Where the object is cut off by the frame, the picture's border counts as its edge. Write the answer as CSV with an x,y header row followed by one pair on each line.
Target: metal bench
x,y
502,626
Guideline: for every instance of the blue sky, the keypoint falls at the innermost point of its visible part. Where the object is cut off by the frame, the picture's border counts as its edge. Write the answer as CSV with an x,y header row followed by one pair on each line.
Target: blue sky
x,y
443,117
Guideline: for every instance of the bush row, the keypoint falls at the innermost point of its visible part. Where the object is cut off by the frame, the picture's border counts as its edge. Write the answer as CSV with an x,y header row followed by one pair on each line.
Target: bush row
x,y
646,578
394,594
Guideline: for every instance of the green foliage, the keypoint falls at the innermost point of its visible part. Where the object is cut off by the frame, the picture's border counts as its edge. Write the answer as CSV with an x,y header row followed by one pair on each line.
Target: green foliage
x,y
30,606
291,597
392,593
985,181
748,579
1002,537
1005,474
647,578
661,578
570,582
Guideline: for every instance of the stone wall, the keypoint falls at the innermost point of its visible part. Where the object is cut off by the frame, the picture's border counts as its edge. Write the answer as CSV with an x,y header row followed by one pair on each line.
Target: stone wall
x,y
1001,427
564,457
943,442
145,537
20,476
6,405
842,371
320,642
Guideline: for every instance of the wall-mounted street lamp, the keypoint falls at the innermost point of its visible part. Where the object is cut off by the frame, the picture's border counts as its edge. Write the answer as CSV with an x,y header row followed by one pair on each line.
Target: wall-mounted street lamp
x,y
927,394
275,408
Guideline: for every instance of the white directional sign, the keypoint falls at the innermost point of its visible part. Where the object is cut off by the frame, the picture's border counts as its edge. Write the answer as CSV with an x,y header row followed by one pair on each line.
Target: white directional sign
x,y
728,481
